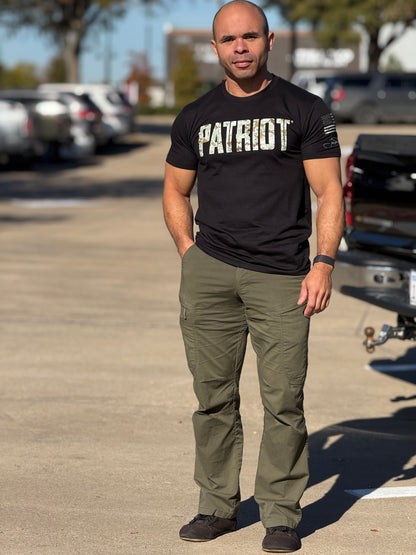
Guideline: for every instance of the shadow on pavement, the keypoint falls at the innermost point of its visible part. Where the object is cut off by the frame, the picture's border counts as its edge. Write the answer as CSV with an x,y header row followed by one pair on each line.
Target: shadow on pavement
x,y
31,219
248,513
362,454
28,190
358,454
402,368
155,128
46,165
120,148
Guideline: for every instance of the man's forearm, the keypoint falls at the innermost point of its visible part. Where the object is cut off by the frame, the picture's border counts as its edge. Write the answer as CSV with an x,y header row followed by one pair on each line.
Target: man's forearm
x,y
330,223
179,219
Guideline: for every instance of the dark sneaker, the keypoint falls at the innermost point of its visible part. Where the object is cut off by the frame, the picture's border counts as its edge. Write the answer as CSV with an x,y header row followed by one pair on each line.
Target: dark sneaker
x,y
281,539
204,528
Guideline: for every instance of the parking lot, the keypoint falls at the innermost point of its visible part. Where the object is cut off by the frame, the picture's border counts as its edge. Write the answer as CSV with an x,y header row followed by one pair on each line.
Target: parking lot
x,y
96,399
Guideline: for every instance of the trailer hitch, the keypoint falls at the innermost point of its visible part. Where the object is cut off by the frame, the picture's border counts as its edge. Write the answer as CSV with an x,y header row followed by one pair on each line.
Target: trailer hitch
x,y
405,330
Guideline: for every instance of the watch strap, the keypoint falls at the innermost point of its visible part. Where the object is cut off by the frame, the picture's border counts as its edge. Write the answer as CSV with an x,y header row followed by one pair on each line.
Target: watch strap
x,y
325,259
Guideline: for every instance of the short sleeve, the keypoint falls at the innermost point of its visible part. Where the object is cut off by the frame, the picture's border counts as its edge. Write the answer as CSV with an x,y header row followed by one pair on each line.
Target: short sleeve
x,y
320,139
181,153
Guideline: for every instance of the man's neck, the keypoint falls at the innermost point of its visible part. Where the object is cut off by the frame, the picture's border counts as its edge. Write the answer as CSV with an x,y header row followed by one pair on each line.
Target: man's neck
x,y
247,87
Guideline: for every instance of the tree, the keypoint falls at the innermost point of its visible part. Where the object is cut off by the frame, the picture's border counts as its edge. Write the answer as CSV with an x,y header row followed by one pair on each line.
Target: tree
x,y
66,22
20,76
288,12
185,78
141,73
336,22
55,71
393,64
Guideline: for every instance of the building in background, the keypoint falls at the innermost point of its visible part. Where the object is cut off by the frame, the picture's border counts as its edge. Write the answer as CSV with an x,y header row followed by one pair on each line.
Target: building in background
x,y
309,56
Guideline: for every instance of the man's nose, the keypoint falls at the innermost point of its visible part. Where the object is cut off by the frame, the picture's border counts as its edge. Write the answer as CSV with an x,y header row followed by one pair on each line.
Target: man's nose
x,y
240,45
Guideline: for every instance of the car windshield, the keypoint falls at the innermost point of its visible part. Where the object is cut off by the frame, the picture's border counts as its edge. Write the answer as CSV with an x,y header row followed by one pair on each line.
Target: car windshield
x,y
117,97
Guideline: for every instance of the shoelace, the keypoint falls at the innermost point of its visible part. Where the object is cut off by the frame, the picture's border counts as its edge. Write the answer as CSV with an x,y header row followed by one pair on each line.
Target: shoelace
x,y
205,518
284,529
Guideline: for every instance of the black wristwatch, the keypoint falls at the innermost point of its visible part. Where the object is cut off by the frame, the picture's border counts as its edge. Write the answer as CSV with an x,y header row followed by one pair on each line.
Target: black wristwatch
x,y
325,259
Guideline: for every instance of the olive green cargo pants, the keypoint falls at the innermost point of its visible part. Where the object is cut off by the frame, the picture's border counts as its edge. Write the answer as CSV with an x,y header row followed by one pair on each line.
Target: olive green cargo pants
x,y
220,305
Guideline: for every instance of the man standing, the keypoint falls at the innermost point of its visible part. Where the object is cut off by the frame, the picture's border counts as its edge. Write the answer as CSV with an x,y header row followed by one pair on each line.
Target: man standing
x,y
257,144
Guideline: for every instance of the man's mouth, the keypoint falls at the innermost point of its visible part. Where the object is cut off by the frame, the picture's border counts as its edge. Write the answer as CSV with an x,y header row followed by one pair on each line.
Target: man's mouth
x,y
242,63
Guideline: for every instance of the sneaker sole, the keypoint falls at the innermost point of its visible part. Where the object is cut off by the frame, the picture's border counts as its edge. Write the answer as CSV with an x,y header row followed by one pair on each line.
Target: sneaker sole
x,y
195,539
280,550
206,539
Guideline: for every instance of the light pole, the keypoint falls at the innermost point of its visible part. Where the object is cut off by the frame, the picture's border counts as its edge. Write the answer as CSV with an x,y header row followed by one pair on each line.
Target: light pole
x,y
108,49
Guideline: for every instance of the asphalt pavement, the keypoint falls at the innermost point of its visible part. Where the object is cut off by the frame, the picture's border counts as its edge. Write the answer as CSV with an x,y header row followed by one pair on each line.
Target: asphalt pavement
x,y
96,399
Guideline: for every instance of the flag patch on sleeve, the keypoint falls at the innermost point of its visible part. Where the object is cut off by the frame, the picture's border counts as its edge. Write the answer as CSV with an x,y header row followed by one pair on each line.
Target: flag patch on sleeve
x,y
328,121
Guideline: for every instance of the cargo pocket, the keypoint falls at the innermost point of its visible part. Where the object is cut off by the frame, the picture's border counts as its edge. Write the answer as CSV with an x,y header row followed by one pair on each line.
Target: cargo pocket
x,y
187,325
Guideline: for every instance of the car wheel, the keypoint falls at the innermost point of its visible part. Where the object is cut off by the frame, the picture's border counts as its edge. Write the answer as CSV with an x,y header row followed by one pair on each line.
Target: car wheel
x,y
366,115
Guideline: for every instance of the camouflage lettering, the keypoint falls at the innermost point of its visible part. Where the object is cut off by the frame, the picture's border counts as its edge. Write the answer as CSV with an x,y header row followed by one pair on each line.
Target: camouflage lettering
x,y
216,140
283,132
243,134
255,134
267,139
204,135
229,125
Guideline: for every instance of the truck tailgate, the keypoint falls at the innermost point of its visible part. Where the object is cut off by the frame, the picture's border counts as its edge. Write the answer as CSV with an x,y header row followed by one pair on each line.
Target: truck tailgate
x,y
380,280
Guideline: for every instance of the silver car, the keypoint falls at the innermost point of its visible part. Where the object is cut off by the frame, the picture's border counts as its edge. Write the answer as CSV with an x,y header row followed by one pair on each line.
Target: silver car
x,y
17,141
118,115
87,128
51,119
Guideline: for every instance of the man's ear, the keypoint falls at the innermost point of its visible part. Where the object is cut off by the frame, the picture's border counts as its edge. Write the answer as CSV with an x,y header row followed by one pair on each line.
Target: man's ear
x,y
270,40
214,47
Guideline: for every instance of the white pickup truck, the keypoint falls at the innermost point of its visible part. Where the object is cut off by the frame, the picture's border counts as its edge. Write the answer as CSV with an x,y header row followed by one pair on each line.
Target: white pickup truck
x,y
17,141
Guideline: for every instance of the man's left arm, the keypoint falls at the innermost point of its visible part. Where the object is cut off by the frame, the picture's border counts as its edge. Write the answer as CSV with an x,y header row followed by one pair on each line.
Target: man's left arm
x,y
324,178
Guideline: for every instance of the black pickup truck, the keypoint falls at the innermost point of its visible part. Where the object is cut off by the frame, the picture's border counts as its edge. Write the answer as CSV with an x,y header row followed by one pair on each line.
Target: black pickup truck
x,y
376,261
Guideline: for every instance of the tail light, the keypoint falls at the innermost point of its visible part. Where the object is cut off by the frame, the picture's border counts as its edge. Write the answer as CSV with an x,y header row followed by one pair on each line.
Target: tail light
x,y
337,95
88,114
28,129
348,189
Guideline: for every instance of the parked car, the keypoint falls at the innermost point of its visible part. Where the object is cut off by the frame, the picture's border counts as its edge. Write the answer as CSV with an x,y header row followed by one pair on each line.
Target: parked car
x,y
87,128
314,81
370,98
17,141
50,117
118,113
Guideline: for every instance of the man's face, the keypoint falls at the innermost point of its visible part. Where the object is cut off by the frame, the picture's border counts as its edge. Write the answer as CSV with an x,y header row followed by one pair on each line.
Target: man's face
x,y
240,42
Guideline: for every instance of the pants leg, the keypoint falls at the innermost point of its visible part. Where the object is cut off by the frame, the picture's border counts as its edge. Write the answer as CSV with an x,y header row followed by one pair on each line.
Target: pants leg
x,y
214,330
279,334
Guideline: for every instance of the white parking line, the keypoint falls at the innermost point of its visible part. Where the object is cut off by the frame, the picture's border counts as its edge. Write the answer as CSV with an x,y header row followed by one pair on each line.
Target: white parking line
x,y
50,202
346,150
383,493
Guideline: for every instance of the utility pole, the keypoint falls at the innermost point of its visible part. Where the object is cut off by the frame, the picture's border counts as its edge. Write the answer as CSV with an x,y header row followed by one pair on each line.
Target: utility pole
x,y
108,49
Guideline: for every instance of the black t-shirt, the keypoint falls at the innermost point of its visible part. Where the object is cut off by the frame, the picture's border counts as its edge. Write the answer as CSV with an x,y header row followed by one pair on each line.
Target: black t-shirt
x,y
254,208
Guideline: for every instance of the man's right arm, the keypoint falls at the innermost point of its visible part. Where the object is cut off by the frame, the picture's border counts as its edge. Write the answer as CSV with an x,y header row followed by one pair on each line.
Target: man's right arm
x,y
177,206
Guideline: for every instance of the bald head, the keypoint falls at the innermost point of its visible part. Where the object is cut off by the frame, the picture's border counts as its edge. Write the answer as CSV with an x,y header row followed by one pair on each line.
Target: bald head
x,y
241,3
